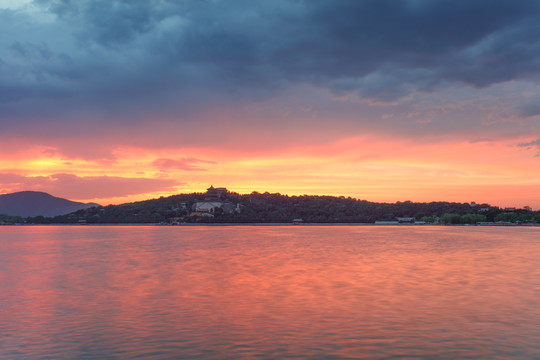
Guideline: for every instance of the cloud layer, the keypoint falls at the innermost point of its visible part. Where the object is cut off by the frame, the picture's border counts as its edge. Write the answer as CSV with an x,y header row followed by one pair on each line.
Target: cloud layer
x,y
127,57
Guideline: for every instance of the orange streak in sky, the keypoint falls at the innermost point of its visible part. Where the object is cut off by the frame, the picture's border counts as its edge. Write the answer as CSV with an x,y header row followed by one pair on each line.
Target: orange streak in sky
x,y
498,173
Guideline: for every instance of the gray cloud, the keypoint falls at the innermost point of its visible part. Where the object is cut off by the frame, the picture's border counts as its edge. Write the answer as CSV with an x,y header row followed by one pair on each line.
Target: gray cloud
x,y
530,144
124,59
529,110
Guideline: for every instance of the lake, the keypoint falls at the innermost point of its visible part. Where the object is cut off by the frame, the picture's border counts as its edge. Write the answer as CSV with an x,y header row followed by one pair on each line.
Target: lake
x,y
269,292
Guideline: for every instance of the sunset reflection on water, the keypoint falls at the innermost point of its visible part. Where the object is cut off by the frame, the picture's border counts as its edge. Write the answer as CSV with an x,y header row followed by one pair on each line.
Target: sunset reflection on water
x,y
269,292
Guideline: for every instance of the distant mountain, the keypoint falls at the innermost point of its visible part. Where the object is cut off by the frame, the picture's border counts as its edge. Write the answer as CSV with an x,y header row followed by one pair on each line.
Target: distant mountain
x,y
34,203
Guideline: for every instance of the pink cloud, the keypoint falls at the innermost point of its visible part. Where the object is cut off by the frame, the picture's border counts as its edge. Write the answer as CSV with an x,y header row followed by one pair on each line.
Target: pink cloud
x,y
188,164
85,187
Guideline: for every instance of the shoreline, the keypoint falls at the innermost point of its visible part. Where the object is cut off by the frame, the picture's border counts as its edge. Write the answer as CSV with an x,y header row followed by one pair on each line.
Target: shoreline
x,y
281,224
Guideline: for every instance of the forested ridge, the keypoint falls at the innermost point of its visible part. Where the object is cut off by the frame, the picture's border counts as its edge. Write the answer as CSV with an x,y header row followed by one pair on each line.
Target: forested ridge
x,y
276,208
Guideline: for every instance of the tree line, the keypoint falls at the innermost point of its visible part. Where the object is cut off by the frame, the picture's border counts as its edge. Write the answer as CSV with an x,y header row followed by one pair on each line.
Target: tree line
x,y
277,208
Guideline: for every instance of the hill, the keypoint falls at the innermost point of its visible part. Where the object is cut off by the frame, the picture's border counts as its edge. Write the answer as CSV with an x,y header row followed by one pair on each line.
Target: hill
x,y
35,203
276,208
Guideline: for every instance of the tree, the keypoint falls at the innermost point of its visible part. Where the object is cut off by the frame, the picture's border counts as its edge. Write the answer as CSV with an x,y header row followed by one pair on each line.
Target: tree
x,y
429,219
449,218
507,217
471,218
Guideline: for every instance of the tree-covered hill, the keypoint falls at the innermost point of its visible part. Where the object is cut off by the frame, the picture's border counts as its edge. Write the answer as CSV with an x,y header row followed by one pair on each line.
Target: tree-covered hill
x,y
276,208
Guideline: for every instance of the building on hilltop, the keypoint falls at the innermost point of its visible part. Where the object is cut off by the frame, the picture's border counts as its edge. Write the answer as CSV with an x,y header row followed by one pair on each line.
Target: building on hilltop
x,y
214,194
214,199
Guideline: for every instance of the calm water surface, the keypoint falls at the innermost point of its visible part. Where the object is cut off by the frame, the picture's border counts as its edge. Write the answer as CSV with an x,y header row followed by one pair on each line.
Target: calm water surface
x,y
269,292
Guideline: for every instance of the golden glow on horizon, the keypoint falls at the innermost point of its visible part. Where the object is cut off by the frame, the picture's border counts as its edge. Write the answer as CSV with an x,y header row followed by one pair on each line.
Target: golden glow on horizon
x,y
366,168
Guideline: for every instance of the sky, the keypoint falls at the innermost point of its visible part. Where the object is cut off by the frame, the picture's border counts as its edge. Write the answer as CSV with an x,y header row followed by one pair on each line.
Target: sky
x,y
115,101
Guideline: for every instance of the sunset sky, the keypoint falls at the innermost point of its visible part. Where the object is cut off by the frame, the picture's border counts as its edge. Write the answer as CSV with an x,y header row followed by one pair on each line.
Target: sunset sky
x,y
115,101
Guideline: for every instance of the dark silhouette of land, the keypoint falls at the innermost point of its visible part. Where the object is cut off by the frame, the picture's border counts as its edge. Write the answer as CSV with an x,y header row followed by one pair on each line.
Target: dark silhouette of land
x,y
35,203
218,205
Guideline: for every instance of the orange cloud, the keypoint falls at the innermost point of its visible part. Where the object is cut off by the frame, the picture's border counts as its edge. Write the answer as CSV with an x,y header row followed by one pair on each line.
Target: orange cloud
x,y
188,164
366,167
86,187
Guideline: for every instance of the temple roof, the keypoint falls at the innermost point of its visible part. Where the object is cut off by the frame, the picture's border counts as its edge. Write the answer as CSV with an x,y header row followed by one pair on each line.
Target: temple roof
x,y
211,194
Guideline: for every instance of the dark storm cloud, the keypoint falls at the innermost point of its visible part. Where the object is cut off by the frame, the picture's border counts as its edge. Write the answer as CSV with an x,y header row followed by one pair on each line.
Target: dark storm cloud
x,y
130,56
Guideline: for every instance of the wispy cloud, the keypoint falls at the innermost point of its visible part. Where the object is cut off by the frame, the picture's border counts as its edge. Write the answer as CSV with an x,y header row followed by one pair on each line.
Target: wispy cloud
x,y
85,187
187,164
530,144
